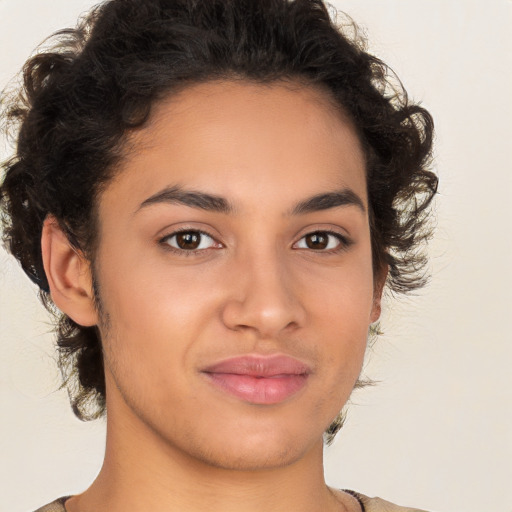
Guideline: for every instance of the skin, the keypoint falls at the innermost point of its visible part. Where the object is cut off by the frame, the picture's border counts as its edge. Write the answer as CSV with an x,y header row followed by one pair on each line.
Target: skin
x,y
254,286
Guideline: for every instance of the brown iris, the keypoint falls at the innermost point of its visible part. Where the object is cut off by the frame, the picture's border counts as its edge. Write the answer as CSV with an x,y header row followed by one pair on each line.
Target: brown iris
x,y
188,240
317,240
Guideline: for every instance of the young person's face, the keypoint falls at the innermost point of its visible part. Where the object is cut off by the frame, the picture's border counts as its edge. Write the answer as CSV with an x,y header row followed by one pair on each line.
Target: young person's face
x,y
237,341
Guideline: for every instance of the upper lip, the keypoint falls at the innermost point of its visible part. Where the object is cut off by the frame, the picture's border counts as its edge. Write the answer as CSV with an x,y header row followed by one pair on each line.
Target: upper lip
x,y
255,365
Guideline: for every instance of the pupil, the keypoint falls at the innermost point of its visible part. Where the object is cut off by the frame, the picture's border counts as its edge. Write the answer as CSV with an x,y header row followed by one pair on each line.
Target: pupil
x,y
316,241
188,240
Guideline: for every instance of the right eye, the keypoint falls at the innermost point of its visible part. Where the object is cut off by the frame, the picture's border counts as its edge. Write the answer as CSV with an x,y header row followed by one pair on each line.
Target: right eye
x,y
188,241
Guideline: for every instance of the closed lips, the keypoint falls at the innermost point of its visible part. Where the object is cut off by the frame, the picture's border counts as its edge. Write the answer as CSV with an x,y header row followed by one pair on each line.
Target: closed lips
x,y
258,379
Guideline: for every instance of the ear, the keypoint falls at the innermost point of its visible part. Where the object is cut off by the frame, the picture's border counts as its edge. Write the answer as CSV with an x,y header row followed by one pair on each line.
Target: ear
x,y
69,275
378,288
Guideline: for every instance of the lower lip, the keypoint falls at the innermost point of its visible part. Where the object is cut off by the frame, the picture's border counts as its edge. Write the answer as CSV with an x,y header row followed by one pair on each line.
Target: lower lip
x,y
259,390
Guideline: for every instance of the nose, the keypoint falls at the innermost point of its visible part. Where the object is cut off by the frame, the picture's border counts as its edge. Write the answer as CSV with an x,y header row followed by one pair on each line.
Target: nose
x,y
264,297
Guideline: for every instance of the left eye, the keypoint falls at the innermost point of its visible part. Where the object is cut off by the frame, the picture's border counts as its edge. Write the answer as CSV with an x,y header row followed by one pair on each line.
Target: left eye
x,y
189,240
322,240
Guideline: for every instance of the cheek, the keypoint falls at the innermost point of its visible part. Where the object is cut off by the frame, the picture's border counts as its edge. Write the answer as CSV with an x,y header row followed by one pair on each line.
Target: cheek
x,y
155,321
161,319
340,310
157,309
343,296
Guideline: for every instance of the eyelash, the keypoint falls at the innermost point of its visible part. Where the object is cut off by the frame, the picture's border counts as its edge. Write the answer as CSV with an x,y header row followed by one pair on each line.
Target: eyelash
x,y
184,252
344,242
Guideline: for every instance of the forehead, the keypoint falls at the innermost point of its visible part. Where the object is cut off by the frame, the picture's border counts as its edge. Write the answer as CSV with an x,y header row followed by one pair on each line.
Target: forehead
x,y
244,141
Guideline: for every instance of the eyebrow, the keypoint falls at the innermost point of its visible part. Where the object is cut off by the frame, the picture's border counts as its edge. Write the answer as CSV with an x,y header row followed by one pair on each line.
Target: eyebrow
x,y
192,198
344,197
214,203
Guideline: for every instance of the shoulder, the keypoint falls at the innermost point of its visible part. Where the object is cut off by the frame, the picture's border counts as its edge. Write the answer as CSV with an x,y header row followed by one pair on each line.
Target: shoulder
x,y
380,505
54,506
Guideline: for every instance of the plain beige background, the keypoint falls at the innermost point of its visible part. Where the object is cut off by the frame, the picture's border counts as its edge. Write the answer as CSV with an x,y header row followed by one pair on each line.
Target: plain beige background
x,y
436,432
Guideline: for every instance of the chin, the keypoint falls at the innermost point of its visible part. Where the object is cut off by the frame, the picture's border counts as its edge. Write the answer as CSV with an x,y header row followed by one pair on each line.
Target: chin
x,y
265,456
265,449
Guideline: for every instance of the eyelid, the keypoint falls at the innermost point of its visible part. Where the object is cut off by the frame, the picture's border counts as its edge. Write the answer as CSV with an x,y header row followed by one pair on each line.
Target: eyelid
x,y
162,240
344,241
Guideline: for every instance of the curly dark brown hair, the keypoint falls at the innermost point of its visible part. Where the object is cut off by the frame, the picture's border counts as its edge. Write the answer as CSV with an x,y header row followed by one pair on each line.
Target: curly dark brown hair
x,y
88,87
